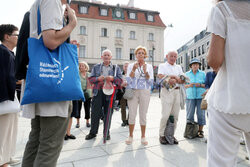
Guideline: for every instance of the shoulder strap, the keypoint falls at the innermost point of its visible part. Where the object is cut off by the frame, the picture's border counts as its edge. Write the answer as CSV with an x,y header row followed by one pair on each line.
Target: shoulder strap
x,y
38,21
228,9
225,9
115,70
100,68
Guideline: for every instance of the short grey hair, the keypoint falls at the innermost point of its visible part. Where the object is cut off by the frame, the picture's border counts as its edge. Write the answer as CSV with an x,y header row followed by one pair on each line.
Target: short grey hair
x,y
107,50
173,52
126,62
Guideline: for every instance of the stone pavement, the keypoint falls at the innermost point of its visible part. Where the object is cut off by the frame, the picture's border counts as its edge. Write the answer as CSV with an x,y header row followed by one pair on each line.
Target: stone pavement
x,y
115,153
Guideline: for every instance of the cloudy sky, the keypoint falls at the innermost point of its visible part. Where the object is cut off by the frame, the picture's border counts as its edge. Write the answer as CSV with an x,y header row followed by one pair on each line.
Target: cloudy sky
x,y
188,17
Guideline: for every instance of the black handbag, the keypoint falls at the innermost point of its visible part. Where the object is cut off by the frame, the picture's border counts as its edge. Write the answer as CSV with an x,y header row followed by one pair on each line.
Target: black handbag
x,y
191,130
120,93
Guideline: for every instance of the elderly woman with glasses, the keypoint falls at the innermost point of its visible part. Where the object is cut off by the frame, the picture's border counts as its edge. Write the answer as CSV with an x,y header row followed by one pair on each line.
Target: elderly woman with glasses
x,y
139,78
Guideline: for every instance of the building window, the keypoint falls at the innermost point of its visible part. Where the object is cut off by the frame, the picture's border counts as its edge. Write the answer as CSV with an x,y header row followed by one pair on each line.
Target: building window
x,y
104,32
83,9
118,33
118,53
199,50
104,12
181,60
150,36
132,34
83,30
132,54
132,15
82,51
194,52
102,49
150,18
203,49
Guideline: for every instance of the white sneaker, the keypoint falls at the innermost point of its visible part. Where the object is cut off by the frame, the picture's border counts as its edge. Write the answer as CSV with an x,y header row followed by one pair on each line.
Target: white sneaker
x,y
14,161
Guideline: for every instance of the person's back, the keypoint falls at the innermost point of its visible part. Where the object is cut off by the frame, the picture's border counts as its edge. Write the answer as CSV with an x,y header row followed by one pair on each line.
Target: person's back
x,y
228,97
232,22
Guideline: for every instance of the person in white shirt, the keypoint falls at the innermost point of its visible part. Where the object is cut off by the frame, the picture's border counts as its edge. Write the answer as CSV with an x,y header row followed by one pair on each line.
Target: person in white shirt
x,y
228,97
140,78
170,100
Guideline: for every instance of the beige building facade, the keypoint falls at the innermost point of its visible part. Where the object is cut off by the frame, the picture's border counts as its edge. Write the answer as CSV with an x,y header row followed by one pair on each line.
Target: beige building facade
x,y
118,28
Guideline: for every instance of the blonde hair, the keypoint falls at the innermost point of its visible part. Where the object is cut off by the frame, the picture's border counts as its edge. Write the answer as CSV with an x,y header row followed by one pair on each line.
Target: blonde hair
x,y
85,63
143,48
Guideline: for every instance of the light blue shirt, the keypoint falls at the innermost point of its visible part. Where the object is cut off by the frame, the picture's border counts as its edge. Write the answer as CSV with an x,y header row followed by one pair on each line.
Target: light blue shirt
x,y
195,92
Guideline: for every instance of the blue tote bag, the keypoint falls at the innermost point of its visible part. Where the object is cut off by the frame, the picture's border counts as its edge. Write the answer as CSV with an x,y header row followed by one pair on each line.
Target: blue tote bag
x,y
52,76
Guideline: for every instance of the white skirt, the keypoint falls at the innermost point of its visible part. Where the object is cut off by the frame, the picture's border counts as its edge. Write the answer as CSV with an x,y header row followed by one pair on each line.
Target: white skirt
x,y
8,136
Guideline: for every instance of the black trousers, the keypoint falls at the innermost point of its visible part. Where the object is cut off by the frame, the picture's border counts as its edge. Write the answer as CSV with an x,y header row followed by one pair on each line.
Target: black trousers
x,y
100,105
77,106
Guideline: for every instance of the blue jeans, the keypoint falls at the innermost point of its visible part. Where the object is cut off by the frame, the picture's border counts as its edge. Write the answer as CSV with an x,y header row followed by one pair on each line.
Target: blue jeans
x,y
191,104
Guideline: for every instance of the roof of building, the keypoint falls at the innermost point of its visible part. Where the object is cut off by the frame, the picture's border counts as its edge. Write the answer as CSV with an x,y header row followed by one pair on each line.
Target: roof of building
x,y
94,13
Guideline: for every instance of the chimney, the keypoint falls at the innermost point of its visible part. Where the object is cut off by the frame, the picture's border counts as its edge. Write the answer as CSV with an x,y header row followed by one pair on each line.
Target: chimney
x,y
131,3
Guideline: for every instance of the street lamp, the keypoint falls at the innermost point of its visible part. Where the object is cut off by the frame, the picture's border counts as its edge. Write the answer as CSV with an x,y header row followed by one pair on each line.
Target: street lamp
x,y
152,56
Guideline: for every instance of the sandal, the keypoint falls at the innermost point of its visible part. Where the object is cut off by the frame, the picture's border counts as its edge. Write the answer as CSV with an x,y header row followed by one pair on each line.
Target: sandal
x,y
200,134
129,140
144,141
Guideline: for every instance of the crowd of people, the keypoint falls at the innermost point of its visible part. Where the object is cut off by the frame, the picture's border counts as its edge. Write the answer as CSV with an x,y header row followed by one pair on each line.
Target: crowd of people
x,y
225,89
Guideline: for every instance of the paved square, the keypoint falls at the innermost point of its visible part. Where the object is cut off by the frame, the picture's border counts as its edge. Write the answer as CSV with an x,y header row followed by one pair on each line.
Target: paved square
x,y
115,153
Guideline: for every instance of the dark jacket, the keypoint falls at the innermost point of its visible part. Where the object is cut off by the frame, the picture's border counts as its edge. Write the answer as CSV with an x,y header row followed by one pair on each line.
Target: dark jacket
x,y
22,59
96,72
7,74
210,76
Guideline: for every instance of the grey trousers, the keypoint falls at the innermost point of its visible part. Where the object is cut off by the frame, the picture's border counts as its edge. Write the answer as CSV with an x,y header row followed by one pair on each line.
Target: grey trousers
x,y
45,141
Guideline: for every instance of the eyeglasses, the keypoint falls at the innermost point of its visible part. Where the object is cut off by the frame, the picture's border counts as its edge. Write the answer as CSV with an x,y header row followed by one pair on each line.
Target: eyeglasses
x,y
141,53
15,35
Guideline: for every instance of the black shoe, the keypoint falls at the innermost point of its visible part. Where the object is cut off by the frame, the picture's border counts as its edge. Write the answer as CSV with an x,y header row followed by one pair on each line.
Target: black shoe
x,y
88,125
90,136
175,141
77,126
124,123
69,137
127,122
163,140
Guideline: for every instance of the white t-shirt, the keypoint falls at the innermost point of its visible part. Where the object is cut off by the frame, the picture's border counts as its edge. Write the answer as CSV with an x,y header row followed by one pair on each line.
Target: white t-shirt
x,y
139,81
230,90
168,69
51,13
